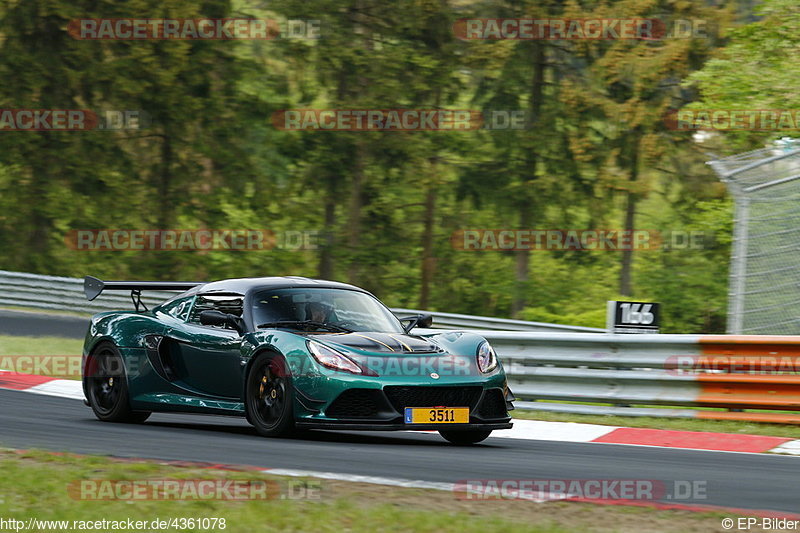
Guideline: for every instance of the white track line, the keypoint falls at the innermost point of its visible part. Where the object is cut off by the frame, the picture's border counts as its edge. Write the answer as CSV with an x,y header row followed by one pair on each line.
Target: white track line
x,y
461,487
560,431
355,478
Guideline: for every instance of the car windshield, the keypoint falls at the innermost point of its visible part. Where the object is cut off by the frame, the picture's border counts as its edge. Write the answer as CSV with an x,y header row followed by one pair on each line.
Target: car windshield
x,y
339,310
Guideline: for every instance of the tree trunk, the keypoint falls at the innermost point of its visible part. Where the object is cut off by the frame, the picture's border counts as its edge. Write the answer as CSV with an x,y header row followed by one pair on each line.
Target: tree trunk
x,y
522,257
625,273
163,264
428,260
36,260
522,260
356,15
165,205
325,269
354,222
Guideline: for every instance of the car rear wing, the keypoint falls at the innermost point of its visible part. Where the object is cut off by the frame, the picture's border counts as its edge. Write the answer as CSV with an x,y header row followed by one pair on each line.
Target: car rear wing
x,y
93,287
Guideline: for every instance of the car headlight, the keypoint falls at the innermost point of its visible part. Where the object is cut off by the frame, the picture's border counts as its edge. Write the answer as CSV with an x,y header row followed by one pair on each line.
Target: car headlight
x,y
330,358
487,359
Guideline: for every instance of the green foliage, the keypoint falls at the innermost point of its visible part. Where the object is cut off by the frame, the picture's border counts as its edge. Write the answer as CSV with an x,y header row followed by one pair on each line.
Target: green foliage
x,y
384,205
755,70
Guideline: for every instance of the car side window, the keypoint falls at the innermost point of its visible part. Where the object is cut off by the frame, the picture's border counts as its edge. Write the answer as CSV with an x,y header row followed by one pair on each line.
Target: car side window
x,y
177,308
181,311
224,303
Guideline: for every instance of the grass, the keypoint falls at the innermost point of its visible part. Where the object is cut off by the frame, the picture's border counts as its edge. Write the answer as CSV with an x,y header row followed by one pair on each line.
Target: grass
x,y
41,481
679,424
34,355
11,345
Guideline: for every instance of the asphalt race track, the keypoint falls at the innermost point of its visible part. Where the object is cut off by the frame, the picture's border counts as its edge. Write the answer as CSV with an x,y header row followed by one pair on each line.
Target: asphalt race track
x,y
738,480
33,324
746,481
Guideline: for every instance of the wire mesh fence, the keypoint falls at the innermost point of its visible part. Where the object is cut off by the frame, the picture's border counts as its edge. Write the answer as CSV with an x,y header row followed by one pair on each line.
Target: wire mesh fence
x,y
764,294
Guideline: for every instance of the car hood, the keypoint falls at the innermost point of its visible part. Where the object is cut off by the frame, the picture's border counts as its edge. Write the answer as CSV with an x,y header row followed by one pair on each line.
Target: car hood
x,y
373,342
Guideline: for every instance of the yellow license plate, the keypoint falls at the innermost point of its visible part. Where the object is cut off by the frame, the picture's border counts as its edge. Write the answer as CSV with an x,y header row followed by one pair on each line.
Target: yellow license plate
x,y
437,415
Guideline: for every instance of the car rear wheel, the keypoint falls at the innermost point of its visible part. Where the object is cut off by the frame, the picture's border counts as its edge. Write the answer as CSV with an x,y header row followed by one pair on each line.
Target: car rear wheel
x,y
463,438
269,396
107,387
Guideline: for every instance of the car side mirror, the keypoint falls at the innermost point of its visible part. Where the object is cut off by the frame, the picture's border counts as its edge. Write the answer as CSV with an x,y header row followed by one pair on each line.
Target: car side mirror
x,y
423,320
220,319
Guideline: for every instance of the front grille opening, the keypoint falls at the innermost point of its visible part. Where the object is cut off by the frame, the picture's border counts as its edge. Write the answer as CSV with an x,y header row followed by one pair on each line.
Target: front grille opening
x,y
402,397
493,405
354,403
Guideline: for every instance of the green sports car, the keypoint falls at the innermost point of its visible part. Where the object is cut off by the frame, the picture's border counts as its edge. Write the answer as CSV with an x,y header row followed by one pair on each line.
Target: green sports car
x,y
289,353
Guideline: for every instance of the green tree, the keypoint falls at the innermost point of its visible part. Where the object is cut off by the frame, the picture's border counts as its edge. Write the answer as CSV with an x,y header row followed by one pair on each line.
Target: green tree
x,y
629,86
754,70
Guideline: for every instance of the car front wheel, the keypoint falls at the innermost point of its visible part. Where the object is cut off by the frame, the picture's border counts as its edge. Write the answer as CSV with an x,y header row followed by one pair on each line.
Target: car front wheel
x,y
269,396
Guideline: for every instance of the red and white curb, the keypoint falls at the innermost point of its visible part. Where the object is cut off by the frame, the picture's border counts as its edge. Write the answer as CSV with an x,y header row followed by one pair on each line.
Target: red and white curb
x,y
61,388
523,429
694,440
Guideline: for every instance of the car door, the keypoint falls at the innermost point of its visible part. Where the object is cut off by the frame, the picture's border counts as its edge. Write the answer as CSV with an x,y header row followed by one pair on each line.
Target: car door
x,y
206,359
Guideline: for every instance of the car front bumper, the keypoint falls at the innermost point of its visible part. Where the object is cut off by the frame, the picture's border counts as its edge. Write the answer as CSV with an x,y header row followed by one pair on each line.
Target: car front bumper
x,y
377,426
383,408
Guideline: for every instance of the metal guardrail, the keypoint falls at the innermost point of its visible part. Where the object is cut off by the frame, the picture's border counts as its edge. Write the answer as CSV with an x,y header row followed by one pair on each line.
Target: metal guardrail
x,y
55,293
456,321
20,289
747,377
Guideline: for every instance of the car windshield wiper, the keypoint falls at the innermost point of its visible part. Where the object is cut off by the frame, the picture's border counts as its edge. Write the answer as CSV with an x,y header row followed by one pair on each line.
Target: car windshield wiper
x,y
291,323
